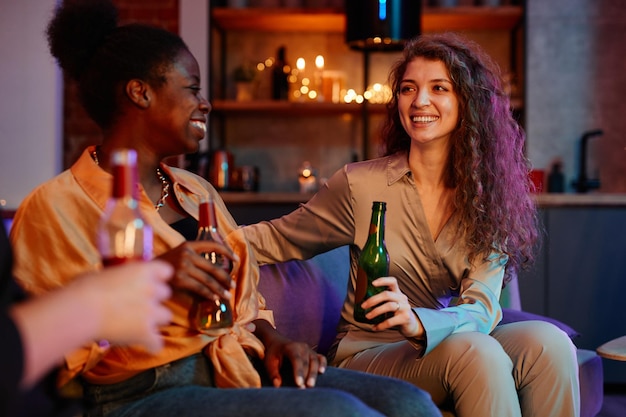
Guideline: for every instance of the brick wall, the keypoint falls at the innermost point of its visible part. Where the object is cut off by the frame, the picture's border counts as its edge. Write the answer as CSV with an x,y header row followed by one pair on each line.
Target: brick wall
x,y
78,129
576,83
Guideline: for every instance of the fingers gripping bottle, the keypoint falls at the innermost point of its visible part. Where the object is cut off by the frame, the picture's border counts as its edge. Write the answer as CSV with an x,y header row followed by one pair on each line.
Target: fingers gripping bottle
x,y
373,263
123,234
212,314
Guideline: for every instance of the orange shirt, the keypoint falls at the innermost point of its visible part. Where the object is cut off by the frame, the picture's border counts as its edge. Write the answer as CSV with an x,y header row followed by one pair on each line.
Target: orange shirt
x,y
54,239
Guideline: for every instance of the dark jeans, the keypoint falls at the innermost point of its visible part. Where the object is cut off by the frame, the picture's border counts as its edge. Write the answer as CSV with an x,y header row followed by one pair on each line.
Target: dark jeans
x,y
185,389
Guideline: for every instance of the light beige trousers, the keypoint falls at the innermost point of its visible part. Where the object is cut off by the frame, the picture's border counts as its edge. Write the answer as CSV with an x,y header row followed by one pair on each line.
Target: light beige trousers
x,y
521,369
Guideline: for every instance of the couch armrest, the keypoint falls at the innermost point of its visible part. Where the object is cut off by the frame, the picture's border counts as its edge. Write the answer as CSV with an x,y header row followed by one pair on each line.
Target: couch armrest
x,y
510,315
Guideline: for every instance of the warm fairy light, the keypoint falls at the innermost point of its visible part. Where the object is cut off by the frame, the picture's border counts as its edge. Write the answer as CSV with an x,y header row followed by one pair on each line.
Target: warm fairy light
x,y
377,93
312,94
306,81
350,96
319,62
300,64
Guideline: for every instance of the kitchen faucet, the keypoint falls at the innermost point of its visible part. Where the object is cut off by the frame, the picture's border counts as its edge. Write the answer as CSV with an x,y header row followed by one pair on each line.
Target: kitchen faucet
x,y
584,184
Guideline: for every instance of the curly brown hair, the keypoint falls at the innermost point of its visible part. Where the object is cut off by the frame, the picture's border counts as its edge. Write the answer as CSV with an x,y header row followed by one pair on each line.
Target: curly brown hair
x,y
487,166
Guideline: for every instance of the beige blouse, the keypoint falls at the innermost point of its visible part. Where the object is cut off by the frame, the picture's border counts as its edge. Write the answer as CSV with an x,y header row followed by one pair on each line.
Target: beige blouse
x,y
429,272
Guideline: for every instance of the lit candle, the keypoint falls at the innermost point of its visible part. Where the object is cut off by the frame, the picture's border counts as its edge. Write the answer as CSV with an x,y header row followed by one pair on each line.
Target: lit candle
x,y
319,62
301,92
300,64
319,65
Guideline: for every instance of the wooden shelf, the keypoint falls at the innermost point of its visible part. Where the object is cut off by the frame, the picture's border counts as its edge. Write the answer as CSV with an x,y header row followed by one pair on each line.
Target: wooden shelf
x,y
236,197
289,107
275,107
333,20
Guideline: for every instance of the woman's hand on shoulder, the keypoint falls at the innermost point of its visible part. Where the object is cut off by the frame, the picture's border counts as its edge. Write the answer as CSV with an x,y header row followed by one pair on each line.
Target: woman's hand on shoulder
x,y
284,353
195,274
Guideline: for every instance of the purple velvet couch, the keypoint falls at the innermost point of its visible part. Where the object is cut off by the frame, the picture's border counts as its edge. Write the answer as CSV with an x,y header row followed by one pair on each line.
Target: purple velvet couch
x,y
306,297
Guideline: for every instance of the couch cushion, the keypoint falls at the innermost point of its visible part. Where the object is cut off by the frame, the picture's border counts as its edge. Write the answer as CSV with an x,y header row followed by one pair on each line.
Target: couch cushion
x,y
307,296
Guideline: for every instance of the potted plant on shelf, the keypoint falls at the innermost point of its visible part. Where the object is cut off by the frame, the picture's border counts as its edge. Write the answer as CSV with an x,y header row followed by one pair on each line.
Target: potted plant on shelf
x,y
245,76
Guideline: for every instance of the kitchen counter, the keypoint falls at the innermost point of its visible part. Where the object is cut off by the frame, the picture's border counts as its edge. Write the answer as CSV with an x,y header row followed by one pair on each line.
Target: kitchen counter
x,y
587,200
292,200
251,207
235,197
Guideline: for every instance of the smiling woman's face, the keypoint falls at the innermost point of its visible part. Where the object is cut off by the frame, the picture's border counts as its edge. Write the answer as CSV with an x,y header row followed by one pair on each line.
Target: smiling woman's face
x,y
180,109
427,102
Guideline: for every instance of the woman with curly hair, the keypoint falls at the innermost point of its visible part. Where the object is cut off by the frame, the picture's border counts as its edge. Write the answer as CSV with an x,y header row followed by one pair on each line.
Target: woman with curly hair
x,y
460,224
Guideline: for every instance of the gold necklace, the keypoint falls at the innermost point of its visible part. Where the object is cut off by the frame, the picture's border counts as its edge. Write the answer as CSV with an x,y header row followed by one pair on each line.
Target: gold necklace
x,y
165,188
165,184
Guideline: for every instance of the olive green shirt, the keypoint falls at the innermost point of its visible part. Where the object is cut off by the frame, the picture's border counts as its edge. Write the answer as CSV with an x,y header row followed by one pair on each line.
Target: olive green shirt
x,y
430,272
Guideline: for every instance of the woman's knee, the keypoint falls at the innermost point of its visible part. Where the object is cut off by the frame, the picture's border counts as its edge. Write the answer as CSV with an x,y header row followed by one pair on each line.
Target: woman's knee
x,y
536,338
548,335
474,350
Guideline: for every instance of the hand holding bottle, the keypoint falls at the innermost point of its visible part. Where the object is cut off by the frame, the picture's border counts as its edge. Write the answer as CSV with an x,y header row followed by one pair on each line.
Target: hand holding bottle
x,y
215,313
373,263
129,300
378,299
394,305
121,304
195,274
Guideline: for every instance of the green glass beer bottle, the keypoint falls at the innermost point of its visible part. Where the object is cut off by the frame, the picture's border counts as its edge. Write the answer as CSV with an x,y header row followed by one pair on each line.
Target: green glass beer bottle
x,y
373,263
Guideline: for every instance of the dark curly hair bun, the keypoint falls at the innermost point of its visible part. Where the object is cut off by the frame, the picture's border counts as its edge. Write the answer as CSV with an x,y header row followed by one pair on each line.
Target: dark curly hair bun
x,y
78,28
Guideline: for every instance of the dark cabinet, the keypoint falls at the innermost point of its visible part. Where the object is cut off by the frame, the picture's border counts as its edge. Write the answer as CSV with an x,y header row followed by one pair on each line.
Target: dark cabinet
x,y
580,277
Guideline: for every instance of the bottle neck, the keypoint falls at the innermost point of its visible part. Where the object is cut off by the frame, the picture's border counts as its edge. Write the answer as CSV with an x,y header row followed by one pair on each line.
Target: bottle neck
x,y
125,176
377,223
123,182
206,215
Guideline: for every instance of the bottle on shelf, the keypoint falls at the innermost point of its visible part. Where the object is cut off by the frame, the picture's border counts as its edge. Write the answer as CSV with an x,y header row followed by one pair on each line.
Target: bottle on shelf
x,y
211,314
123,234
556,179
221,169
280,76
373,263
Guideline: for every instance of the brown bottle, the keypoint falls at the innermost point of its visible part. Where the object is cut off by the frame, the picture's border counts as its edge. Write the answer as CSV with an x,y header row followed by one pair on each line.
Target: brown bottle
x,y
280,76
212,314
